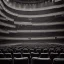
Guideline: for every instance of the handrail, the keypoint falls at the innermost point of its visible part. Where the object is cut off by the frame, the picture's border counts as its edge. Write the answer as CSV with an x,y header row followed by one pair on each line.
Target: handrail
x,y
39,24
8,25
35,31
25,38
4,31
31,31
6,17
32,38
2,18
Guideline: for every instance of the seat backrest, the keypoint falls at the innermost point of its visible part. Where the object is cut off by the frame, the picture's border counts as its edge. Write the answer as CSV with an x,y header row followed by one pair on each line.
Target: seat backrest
x,y
1,55
54,55
34,54
38,50
26,55
45,50
58,61
25,50
5,60
61,55
44,55
36,60
8,55
17,55
23,60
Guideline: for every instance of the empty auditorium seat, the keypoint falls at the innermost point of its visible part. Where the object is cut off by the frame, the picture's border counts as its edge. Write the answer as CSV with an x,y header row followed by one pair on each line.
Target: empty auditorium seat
x,y
44,55
38,50
1,55
61,55
51,50
23,60
32,50
58,50
45,50
25,50
34,54
10,50
58,61
36,60
17,50
17,55
54,55
8,55
5,60
5,51
26,55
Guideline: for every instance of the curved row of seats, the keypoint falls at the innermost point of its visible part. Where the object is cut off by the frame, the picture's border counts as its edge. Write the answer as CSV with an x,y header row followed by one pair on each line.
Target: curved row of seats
x,y
35,60
18,54
30,55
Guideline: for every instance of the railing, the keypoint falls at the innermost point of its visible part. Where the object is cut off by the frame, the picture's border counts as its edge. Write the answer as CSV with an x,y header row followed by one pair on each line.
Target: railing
x,y
5,24
32,31
32,38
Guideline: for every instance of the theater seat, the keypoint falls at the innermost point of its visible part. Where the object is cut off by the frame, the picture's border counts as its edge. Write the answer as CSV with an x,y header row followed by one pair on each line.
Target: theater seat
x,y
45,50
23,60
32,50
53,55
38,50
26,55
58,61
8,55
44,55
17,55
34,54
61,55
1,55
25,50
36,60
5,60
